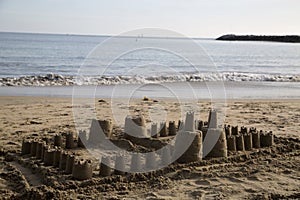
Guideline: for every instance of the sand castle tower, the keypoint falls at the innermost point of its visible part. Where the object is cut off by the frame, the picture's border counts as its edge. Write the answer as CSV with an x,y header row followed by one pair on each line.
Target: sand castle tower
x,y
154,130
216,133
135,127
26,147
240,145
244,130
58,140
70,164
163,132
99,131
119,166
212,119
172,128
227,129
231,143
200,125
136,165
45,148
82,170
48,157
150,160
256,139
220,147
33,148
69,141
82,138
63,160
266,139
248,141
106,126
56,158
193,151
234,130
165,156
189,122
39,148
105,170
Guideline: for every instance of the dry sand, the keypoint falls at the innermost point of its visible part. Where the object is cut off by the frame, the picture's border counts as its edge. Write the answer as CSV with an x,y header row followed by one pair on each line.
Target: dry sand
x,y
270,173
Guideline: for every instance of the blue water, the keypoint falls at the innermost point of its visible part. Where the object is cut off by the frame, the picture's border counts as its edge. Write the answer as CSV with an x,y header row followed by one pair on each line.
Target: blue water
x,y
35,54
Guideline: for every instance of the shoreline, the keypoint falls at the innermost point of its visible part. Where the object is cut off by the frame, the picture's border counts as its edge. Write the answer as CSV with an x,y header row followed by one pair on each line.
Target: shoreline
x,y
182,90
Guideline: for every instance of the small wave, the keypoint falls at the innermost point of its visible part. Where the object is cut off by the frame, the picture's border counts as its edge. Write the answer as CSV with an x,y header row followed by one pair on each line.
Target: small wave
x,y
61,80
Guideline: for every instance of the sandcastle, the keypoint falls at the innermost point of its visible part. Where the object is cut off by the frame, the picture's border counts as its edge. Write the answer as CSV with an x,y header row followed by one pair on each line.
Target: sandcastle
x,y
189,135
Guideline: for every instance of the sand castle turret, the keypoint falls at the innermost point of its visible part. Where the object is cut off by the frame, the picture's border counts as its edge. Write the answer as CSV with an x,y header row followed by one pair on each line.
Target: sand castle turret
x,y
56,157
234,130
266,139
220,147
45,148
70,164
82,138
69,141
135,127
58,140
200,125
106,126
136,165
105,170
63,160
248,141
163,132
212,119
252,130
244,130
256,139
189,122
119,166
172,128
154,130
82,170
150,160
39,147
26,147
99,131
240,146
227,129
48,157
165,156
193,151
33,148
231,143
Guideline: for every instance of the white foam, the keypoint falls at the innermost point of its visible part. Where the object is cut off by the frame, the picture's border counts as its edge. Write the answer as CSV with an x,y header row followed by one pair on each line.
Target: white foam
x,y
60,80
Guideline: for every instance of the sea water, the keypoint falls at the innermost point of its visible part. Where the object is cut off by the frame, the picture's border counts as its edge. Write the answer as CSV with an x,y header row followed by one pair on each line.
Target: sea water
x,y
267,65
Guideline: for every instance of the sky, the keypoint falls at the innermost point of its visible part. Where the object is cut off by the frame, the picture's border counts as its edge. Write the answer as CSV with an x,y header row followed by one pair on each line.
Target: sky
x,y
192,18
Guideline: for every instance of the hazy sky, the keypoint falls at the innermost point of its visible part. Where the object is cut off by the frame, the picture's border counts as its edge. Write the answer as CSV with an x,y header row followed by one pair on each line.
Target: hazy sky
x,y
195,18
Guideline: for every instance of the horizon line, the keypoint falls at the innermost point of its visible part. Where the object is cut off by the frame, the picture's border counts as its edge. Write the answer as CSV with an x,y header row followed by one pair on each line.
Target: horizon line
x,y
106,35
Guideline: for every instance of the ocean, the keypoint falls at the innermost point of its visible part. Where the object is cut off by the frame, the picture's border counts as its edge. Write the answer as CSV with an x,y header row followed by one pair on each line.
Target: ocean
x,y
28,59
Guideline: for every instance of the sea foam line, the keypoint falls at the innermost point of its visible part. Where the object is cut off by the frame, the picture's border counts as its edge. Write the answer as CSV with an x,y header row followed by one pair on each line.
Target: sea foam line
x,y
60,80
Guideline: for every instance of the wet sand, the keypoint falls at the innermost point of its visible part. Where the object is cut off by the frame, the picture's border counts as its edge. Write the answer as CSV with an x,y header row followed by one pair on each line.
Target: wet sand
x,y
268,173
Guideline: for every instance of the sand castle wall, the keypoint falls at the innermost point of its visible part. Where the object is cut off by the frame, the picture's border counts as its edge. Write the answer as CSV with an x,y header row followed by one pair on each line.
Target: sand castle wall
x,y
229,138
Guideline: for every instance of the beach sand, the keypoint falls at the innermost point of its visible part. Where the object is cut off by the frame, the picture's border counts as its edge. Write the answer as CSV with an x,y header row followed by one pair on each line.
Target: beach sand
x,y
271,173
